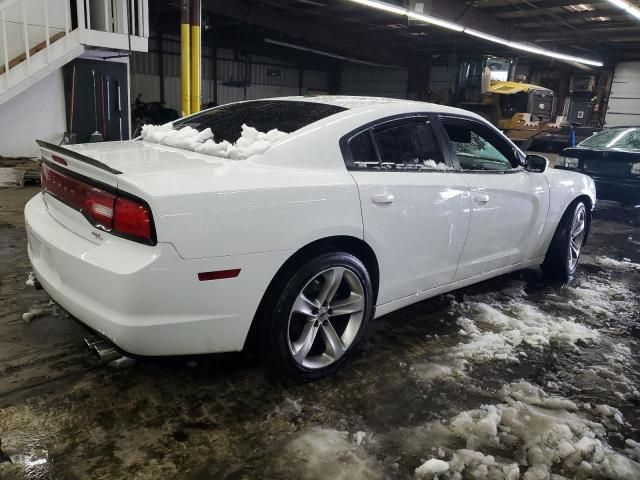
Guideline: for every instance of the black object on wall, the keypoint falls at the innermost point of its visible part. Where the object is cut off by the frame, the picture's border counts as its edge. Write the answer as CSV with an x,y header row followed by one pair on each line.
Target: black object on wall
x,y
98,99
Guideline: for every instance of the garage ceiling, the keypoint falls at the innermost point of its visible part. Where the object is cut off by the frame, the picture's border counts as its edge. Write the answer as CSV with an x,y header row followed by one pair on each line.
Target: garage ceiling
x,y
596,30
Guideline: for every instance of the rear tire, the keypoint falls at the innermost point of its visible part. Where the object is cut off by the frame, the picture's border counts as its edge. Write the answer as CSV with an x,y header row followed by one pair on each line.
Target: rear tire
x,y
562,257
320,316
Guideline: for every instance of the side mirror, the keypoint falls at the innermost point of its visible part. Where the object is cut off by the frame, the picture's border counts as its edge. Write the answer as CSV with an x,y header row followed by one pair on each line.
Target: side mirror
x,y
536,163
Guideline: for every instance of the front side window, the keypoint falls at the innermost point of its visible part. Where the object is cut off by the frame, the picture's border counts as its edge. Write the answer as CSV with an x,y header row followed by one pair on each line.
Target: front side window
x,y
477,147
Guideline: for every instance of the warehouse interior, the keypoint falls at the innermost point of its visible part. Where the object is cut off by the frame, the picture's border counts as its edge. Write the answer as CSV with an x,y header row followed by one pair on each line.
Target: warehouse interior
x,y
512,377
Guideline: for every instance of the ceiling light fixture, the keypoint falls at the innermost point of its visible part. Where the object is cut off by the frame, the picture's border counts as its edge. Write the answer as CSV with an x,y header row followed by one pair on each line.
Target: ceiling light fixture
x,y
395,9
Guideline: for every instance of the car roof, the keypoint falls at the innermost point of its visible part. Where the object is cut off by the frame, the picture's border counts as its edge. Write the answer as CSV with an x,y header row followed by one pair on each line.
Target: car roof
x,y
379,103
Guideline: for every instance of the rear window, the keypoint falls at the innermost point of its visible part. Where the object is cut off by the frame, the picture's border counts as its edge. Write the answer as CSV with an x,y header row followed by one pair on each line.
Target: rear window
x,y
623,137
264,115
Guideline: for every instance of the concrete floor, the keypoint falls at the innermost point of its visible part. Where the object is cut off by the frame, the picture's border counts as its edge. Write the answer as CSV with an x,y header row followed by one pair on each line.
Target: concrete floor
x,y
395,405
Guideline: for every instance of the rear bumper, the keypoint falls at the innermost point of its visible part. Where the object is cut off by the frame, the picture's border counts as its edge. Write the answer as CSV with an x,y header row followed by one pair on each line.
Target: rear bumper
x,y
147,300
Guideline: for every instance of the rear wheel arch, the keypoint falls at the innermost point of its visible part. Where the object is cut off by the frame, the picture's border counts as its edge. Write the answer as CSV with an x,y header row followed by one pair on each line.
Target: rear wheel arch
x,y
341,243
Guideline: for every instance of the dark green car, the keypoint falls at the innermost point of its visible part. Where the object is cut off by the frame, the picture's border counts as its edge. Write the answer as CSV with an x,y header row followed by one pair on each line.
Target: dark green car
x,y
612,158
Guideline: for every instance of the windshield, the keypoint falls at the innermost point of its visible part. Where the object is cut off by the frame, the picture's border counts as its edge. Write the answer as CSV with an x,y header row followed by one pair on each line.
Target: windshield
x,y
627,138
286,116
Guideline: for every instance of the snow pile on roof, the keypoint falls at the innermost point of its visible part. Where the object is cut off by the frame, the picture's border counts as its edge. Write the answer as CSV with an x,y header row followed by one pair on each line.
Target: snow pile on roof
x,y
327,453
251,141
625,264
546,434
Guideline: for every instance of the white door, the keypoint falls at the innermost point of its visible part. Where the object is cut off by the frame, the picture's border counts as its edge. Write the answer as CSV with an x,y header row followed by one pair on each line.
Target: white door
x,y
623,109
415,207
509,205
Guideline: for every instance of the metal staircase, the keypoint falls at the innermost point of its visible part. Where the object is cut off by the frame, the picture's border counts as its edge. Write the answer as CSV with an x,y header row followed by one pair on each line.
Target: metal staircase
x,y
39,36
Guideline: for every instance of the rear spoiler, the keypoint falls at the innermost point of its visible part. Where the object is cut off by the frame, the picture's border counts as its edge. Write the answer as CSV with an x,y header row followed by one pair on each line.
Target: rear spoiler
x,y
77,156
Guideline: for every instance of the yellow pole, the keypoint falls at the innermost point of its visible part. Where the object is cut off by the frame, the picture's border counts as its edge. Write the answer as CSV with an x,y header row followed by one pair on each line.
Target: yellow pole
x,y
185,59
196,72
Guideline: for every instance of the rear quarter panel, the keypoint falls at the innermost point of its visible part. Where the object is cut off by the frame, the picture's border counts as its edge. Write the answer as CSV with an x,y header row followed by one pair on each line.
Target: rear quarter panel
x,y
247,208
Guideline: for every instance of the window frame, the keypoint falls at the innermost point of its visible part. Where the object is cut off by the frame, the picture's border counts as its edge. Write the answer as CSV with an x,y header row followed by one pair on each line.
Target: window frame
x,y
392,122
517,159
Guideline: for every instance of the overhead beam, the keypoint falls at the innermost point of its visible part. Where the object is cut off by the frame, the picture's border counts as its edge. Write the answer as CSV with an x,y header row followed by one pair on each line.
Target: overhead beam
x,y
530,15
527,6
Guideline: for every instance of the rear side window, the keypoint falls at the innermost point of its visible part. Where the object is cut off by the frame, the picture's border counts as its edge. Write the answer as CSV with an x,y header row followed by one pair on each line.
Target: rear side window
x,y
401,146
407,145
287,116
363,153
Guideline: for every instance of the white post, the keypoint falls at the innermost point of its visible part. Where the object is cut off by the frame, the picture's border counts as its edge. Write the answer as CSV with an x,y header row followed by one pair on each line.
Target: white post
x,y
125,18
145,17
140,32
80,14
25,31
87,4
4,44
107,18
46,26
67,13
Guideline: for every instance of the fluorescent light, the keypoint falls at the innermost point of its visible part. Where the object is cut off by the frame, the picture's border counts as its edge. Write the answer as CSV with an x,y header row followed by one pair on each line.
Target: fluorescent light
x,y
484,36
434,21
627,7
389,7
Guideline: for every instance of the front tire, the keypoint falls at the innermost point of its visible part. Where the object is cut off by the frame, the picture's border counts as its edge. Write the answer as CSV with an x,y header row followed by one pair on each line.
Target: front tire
x,y
561,260
320,316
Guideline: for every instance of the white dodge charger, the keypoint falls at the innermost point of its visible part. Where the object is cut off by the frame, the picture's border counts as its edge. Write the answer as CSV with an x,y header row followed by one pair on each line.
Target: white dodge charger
x,y
293,221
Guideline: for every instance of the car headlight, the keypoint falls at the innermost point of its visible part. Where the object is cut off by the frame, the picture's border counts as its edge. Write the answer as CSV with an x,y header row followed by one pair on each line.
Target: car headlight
x,y
569,162
635,168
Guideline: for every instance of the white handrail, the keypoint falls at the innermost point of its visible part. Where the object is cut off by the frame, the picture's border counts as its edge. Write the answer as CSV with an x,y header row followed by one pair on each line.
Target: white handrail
x,y
26,34
4,44
46,26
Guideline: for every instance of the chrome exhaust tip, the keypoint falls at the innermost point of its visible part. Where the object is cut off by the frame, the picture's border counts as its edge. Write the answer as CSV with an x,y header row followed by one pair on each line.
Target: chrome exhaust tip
x,y
107,353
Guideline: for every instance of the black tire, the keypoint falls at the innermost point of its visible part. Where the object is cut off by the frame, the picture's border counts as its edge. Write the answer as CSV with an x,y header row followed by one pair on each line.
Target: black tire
x,y
281,320
558,263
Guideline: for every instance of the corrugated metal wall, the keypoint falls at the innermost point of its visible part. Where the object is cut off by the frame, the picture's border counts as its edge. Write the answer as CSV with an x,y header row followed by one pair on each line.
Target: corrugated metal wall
x,y
267,77
374,81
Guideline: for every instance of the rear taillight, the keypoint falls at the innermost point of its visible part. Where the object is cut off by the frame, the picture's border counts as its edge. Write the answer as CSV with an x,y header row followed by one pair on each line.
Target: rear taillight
x,y
132,218
108,211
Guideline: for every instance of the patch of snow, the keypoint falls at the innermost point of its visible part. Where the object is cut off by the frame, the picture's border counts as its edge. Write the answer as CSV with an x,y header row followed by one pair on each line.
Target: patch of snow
x,y
544,433
433,165
625,264
321,453
35,311
429,469
31,280
251,141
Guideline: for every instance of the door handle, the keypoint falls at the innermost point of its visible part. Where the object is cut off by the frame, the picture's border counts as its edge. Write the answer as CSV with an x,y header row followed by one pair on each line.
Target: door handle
x,y
382,199
481,199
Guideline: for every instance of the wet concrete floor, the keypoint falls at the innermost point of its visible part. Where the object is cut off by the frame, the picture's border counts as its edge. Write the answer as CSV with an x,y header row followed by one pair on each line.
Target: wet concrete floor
x,y
62,416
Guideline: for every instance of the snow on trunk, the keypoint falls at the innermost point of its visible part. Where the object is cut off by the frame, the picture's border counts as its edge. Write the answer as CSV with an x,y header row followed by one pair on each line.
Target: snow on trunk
x,y
251,141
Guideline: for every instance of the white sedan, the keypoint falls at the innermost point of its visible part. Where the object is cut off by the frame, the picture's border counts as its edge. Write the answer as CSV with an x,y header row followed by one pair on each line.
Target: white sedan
x,y
293,221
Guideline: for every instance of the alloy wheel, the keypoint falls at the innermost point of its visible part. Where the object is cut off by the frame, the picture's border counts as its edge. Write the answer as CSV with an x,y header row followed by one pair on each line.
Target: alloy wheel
x,y
326,317
576,235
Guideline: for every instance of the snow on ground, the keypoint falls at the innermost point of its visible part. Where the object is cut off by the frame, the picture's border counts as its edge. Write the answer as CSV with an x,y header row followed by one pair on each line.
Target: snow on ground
x,y
320,453
498,326
625,264
251,141
528,435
